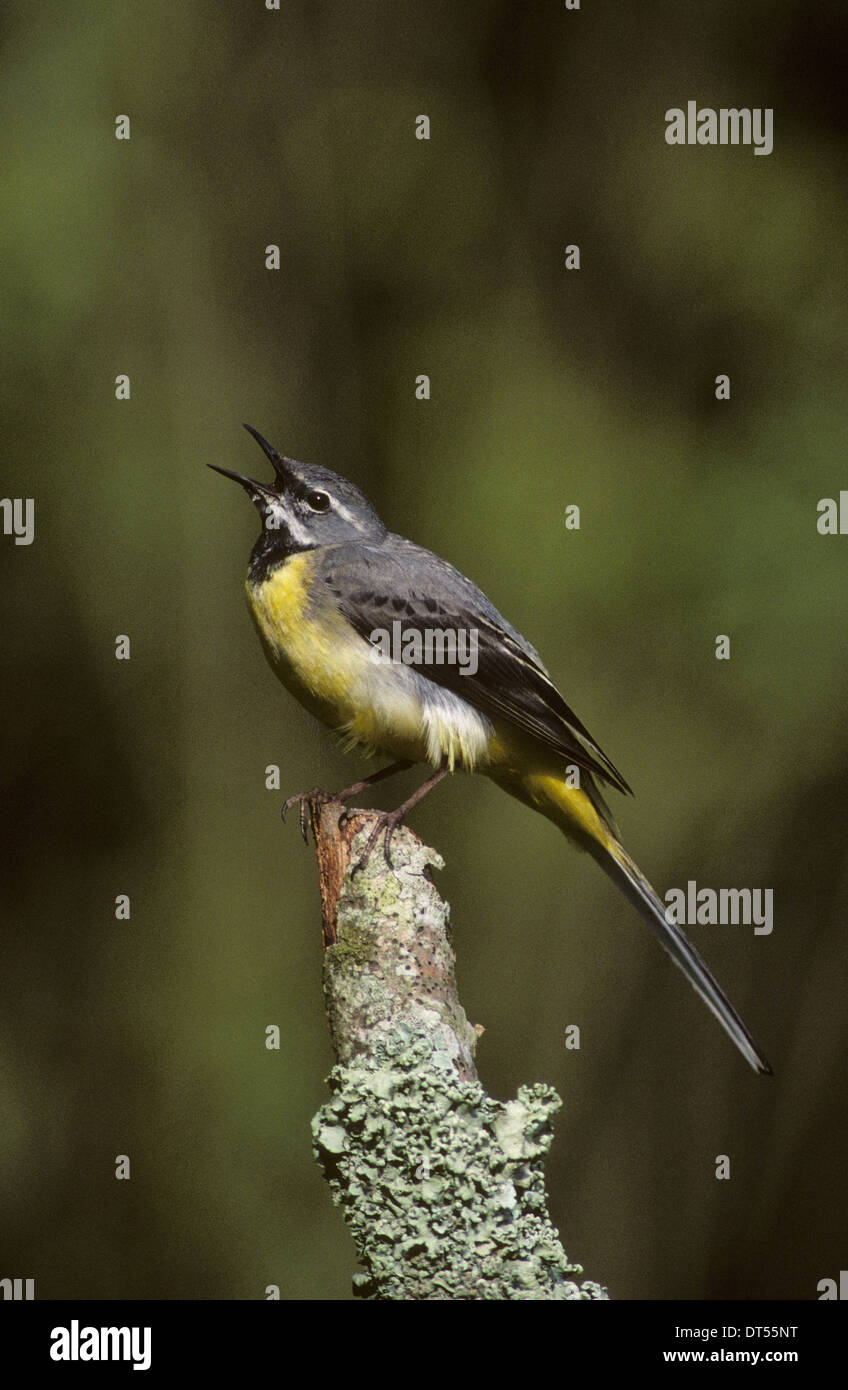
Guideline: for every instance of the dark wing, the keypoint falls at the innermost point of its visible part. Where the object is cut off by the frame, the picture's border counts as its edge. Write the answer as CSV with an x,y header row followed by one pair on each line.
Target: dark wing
x,y
376,585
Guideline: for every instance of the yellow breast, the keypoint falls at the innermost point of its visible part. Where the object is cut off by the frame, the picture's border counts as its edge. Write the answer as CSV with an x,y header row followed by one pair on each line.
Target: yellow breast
x,y
300,638
329,668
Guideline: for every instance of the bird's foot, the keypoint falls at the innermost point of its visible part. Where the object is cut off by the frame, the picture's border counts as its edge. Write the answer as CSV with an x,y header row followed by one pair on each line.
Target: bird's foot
x,y
387,823
310,803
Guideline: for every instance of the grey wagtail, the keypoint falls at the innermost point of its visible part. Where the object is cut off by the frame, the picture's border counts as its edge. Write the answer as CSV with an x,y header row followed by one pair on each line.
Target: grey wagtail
x,y
326,577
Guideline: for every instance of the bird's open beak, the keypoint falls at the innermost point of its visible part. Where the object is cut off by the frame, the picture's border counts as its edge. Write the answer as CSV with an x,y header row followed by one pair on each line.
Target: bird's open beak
x,y
280,464
258,493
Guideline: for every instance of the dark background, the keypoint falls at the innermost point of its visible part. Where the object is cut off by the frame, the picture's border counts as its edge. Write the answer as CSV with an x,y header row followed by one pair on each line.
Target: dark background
x,y
548,388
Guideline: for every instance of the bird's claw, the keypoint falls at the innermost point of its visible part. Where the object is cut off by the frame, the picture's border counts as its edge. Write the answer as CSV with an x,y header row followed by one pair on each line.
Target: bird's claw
x,y
309,802
387,824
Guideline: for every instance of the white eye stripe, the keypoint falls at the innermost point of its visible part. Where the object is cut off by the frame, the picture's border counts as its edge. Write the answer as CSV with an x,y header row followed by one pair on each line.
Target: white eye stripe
x,y
350,516
280,516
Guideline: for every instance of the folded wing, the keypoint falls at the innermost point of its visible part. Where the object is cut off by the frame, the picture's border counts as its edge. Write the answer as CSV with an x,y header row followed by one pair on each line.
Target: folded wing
x,y
397,581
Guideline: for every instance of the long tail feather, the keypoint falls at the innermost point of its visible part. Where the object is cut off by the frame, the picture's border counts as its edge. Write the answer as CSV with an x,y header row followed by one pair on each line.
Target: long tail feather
x,y
582,814
616,862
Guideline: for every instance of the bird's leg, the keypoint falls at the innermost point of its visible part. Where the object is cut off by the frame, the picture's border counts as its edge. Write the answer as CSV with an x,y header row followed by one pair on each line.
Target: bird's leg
x,y
388,821
318,797
400,766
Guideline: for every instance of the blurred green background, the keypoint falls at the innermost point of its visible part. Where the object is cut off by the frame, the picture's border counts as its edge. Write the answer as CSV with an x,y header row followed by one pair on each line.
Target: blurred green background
x,y
594,387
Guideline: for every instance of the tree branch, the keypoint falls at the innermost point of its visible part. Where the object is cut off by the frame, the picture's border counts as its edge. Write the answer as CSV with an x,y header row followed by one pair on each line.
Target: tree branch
x,y
441,1186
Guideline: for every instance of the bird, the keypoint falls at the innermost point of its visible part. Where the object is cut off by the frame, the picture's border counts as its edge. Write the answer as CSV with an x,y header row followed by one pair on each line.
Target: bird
x,y
328,583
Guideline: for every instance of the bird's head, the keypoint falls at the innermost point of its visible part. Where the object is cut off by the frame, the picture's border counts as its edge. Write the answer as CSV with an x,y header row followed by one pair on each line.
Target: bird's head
x,y
305,507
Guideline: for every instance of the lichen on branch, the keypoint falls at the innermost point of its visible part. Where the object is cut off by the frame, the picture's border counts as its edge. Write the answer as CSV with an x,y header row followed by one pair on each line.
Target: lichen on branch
x,y
442,1186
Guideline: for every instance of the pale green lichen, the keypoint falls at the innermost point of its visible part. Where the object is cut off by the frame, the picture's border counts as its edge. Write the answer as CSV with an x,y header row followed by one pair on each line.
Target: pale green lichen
x,y
442,1187
357,946
392,957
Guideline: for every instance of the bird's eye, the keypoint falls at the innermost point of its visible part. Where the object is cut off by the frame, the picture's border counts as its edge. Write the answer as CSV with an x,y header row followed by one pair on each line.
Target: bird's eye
x,y
318,501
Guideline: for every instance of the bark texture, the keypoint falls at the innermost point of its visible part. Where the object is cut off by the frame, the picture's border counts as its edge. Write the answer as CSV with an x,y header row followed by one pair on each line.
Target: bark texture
x,y
442,1186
